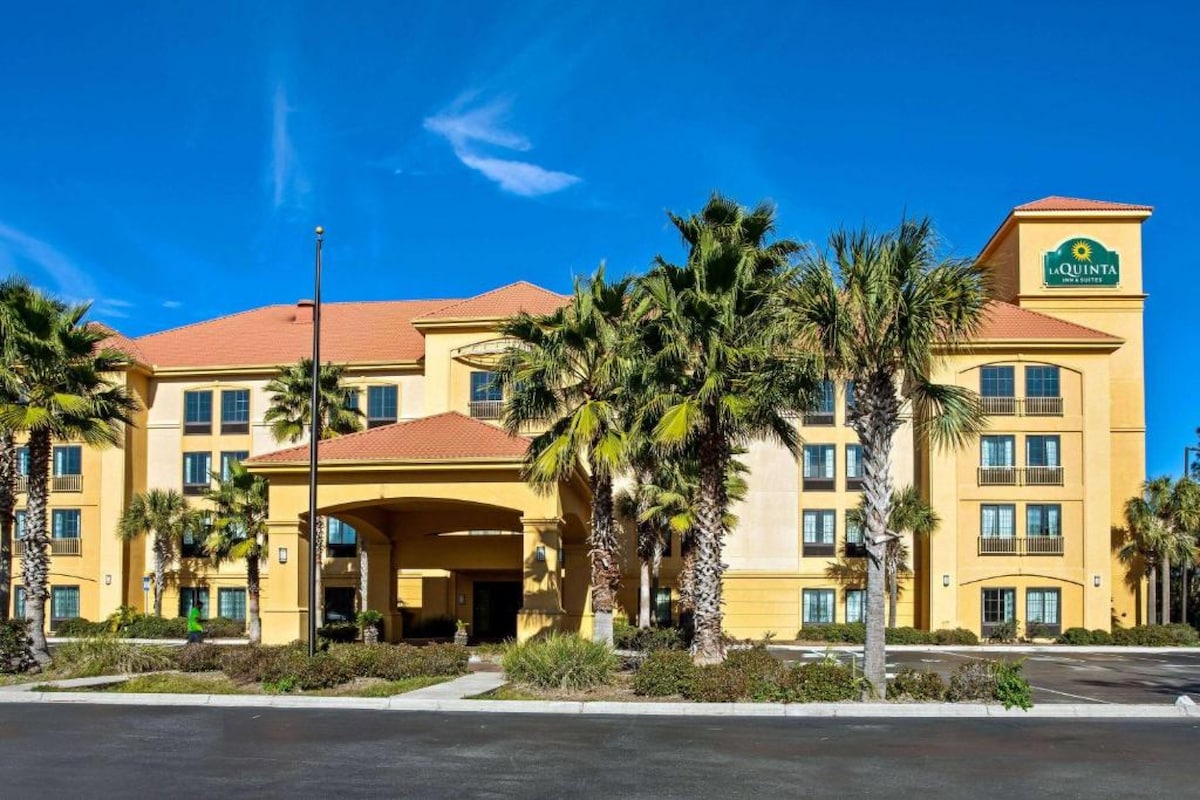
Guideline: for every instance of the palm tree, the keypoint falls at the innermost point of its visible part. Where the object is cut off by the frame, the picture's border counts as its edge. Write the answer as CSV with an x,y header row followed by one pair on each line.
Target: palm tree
x,y
62,393
290,415
1159,526
565,375
166,516
879,309
632,503
239,532
724,367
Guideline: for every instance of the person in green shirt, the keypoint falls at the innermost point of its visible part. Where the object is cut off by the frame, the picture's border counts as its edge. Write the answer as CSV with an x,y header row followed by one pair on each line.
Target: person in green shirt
x,y
195,631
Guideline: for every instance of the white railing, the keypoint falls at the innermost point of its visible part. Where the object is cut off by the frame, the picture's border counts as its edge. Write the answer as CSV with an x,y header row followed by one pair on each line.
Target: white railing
x,y
66,483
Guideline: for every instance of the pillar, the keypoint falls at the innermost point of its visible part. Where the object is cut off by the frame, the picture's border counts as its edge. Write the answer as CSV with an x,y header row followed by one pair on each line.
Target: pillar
x,y
381,588
542,609
285,585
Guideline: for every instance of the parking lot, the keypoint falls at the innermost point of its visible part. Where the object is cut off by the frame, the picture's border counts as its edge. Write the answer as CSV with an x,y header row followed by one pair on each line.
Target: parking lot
x,y
1064,676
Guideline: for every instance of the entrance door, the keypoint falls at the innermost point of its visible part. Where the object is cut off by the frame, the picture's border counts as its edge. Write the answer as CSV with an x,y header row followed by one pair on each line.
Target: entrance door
x,y
496,607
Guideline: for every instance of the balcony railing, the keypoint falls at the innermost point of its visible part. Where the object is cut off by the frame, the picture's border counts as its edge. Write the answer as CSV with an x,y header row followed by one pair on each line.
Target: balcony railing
x,y
817,549
818,418
1020,476
234,427
66,483
22,483
1020,546
194,489
856,550
819,484
1022,406
58,547
486,409
854,483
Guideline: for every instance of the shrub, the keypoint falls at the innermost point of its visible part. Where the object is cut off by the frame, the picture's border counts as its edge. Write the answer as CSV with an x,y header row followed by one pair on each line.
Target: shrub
x,y
559,661
224,628
717,683
972,681
442,627
443,659
629,637
1076,636
249,664
1101,636
79,628
761,670
840,633
147,626
663,673
338,632
1176,634
820,682
917,685
959,636
108,655
1011,687
1005,632
199,658
907,635
15,653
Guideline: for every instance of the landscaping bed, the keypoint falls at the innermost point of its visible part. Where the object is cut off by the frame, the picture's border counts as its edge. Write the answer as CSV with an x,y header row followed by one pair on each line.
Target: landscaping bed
x,y
220,683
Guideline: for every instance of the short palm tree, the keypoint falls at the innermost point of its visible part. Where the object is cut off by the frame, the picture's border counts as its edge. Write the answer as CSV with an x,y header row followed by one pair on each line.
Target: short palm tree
x,y
62,393
565,376
165,516
880,309
239,532
725,369
1160,526
290,416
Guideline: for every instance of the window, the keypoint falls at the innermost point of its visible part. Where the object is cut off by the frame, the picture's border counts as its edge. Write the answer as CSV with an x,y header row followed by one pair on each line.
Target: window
x,y
231,603
339,604
197,469
997,451
1042,382
381,405
996,382
64,523
197,412
191,545
23,462
819,466
666,544
64,604
351,399
227,460
856,605
818,606
998,521
1042,451
818,533
854,471
999,606
662,607
822,412
1043,520
190,596
849,399
1042,609
235,411
68,460
19,524
486,396
19,603
342,540
855,546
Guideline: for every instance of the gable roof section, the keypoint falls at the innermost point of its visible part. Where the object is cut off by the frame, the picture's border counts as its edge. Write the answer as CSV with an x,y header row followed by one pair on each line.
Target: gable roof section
x,y
119,341
1006,321
1057,203
276,335
502,302
442,437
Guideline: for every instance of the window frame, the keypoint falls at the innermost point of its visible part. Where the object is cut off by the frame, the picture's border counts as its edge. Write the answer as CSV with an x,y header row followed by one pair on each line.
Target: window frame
x,y
986,626
197,488
823,413
823,482
227,458
340,549
823,593
76,453
1043,524
55,617
826,544
1012,507
234,426
854,483
1032,369
191,593
57,514
23,461
199,426
224,592
1049,628
1044,438
387,391
995,368
861,594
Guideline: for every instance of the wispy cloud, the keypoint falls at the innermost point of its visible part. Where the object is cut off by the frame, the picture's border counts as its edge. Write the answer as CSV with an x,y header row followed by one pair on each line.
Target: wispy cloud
x,y
471,130
43,263
172,304
289,184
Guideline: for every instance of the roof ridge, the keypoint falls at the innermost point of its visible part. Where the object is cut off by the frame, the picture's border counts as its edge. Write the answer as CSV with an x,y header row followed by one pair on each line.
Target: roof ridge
x,y
520,282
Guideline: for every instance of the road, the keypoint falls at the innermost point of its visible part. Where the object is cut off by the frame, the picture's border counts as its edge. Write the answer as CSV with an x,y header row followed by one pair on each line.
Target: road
x,y
122,751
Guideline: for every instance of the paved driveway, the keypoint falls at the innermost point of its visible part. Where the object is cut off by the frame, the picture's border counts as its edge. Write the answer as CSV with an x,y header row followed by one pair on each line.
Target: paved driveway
x,y
1066,676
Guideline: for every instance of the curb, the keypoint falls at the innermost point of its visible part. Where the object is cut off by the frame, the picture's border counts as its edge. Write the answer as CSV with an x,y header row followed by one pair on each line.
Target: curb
x,y
1060,649
600,708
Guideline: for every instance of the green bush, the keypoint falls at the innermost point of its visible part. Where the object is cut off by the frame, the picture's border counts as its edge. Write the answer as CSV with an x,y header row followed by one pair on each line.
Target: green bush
x,y
79,628
341,632
249,664
972,681
630,637
912,684
1011,687
108,655
1173,635
442,627
1101,636
761,670
840,633
957,636
717,683
1076,636
664,673
224,628
907,635
200,658
147,626
827,681
1005,632
15,653
559,661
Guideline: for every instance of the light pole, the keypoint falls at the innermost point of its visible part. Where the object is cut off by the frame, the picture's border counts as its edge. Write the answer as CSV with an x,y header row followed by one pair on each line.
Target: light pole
x,y
314,437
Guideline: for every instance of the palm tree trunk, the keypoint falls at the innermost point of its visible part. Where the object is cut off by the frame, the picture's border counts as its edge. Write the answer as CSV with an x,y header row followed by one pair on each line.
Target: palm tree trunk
x,y
253,589
602,543
1183,592
644,593
656,558
1166,590
708,646
8,492
1152,596
160,570
687,583
318,544
364,565
893,595
36,560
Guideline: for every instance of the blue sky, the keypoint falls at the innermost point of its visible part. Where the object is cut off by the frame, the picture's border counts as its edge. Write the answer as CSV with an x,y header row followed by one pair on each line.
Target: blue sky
x,y
169,160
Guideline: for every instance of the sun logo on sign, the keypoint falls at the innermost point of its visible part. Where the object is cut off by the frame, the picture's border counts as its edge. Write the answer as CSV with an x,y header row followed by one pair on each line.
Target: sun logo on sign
x,y
1082,251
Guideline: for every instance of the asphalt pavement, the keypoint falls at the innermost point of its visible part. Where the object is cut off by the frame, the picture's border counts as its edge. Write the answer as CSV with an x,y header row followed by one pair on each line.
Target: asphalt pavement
x,y
121,751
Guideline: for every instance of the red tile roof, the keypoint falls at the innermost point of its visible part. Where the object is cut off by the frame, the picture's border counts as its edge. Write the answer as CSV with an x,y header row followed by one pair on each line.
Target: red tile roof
x,y
1007,321
438,438
119,341
502,302
275,335
1056,203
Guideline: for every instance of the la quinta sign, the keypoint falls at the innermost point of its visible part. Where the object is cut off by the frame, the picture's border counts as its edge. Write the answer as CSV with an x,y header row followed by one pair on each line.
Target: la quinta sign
x,y
1081,262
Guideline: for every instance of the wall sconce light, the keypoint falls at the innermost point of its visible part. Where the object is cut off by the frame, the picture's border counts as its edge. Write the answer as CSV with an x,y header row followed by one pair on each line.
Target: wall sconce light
x,y
540,553
462,599
1096,581
946,579
562,558
283,555
108,580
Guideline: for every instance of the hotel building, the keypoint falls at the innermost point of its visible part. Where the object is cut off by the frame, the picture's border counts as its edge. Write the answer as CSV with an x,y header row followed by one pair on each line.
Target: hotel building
x,y
429,513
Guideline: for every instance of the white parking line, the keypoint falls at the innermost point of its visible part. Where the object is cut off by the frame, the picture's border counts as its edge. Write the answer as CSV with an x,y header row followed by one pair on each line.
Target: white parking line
x,y
1076,696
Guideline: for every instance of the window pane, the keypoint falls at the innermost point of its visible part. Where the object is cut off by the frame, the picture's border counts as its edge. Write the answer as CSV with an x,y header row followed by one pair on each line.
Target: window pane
x,y
64,523
998,605
23,461
1042,451
996,381
196,468
64,602
825,403
188,596
351,399
1041,382
68,460
19,524
818,606
228,458
818,527
381,402
235,405
819,460
853,461
485,387
856,607
197,407
996,451
341,533
1042,606
231,603
998,521
19,603
854,530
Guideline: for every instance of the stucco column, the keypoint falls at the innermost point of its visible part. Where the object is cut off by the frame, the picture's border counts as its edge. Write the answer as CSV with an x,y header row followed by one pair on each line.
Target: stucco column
x,y
284,595
381,588
542,578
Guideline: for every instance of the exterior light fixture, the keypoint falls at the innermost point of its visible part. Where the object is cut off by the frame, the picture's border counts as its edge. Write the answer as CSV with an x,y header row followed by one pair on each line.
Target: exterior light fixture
x,y
540,553
1096,581
283,555
108,580
946,579
462,599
